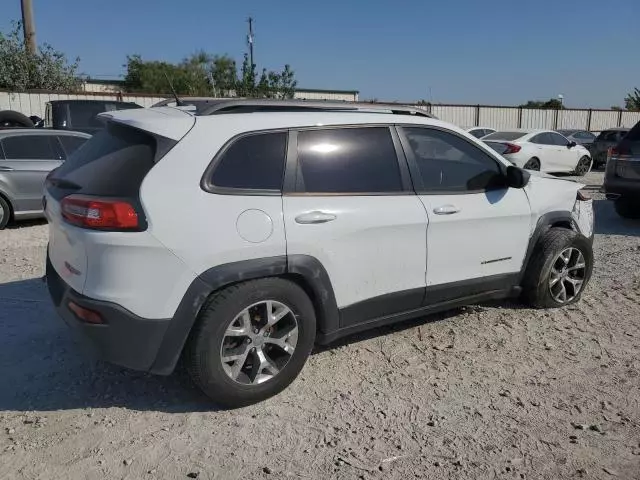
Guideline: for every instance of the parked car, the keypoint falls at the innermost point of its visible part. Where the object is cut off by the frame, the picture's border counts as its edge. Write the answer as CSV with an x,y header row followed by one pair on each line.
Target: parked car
x,y
603,142
26,157
205,272
542,150
81,115
479,132
622,176
581,137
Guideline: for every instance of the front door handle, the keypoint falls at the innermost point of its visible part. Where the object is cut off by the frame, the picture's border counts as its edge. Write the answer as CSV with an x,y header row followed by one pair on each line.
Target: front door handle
x,y
311,218
6,169
446,210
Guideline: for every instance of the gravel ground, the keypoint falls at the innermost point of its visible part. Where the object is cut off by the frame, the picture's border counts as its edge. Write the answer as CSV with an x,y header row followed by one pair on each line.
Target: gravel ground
x,y
491,391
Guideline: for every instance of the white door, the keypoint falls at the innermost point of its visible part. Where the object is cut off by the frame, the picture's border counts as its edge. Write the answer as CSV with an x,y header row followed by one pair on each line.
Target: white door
x,y
478,228
567,157
352,210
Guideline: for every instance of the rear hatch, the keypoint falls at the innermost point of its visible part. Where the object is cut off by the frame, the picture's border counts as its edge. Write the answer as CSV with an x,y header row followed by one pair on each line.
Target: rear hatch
x,y
97,190
626,155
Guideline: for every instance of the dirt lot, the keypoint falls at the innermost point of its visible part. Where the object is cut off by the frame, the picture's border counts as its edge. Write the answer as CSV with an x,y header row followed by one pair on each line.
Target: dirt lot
x,y
494,391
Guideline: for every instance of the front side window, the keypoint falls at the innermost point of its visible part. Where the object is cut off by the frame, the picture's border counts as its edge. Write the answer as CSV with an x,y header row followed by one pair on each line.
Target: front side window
x,y
557,139
29,147
449,163
347,160
254,162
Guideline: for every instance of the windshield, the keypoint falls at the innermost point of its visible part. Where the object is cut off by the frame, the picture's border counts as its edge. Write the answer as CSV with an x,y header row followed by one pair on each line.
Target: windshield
x,y
505,136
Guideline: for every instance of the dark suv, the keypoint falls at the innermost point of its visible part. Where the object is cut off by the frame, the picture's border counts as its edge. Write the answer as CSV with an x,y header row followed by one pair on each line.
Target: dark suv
x,y
622,177
601,145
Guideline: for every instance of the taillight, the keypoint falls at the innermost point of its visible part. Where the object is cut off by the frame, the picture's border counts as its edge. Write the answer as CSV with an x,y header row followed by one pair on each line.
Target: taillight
x,y
99,213
619,151
512,148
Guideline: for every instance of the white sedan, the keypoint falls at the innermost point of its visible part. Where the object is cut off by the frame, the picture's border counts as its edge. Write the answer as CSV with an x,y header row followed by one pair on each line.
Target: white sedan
x,y
542,150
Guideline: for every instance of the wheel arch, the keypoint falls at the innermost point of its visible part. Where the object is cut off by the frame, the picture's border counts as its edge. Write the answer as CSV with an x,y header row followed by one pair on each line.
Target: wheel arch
x,y
6,198
555,219
306,271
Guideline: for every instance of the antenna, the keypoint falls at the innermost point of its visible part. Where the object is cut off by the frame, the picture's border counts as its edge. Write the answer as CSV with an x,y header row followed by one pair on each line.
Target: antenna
x,y
173,90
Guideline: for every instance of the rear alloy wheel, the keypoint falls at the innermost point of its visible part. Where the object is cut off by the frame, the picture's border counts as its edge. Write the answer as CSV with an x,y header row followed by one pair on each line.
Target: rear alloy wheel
x,y
533,164
583,166
559,269
627,208
5,213
251,341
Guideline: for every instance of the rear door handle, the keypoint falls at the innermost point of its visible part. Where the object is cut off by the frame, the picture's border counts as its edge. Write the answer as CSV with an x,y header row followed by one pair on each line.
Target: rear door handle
x,y
6,169
446,210
311,218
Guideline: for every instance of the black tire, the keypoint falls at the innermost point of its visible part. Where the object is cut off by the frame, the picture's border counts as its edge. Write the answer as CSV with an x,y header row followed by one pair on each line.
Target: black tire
x,y
627,208
535,288
11,119
202,354
533,164
582,168
5,213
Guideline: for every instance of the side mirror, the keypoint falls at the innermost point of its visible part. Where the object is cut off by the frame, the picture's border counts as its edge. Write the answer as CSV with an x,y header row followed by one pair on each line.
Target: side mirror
x,y
517,177
571,144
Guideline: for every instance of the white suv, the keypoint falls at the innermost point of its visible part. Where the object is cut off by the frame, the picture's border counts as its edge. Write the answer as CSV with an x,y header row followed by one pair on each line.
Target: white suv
x,y
238,237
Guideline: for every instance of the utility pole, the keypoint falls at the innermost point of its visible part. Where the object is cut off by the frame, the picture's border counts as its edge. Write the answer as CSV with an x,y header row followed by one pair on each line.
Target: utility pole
x,y
28,26
250,40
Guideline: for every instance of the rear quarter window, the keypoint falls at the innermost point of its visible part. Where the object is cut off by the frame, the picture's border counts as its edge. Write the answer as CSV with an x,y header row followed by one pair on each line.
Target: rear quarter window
x,y
112,163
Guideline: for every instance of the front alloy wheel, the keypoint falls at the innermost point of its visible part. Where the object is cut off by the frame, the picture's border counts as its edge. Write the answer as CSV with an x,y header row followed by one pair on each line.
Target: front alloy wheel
x,y
567,275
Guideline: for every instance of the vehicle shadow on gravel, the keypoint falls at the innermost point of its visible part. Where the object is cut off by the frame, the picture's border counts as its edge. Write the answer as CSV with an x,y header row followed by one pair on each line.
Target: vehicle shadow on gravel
x,y
26,223
43,368
608,222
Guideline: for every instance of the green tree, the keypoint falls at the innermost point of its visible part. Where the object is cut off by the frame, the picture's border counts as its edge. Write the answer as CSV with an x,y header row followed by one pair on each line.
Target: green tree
x,y
202,74
632,101
47,69
551,104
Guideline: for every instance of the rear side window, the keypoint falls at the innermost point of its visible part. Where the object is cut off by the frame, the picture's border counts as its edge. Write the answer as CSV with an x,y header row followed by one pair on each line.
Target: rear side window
x,y
111,163
509,136
347,160
449,163
254,162
30,147
70,143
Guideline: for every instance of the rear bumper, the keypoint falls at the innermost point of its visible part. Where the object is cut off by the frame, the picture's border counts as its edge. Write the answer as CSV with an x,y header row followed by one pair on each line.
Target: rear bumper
x,y
124,339
616,187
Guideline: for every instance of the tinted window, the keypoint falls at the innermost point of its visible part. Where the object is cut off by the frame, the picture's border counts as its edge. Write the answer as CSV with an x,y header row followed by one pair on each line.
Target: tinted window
x,y
610,136
505,136
557,139
450,163
254,162
477,133
32,147
71,144
584,136
540,139
634,133
347,160
111,163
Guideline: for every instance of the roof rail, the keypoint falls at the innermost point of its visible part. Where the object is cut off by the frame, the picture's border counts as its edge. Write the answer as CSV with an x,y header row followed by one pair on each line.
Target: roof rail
x,y
248,105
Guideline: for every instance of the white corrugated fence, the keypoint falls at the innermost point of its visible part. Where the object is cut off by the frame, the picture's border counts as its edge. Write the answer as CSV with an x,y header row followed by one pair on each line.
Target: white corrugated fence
x,y
462,115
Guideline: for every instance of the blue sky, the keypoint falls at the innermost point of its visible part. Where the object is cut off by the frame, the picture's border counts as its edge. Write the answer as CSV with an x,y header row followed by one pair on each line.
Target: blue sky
x,y
456,51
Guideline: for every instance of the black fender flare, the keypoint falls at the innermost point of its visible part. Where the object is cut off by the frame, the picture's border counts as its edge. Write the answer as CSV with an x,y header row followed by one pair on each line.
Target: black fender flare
x,y
305,270
545,222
